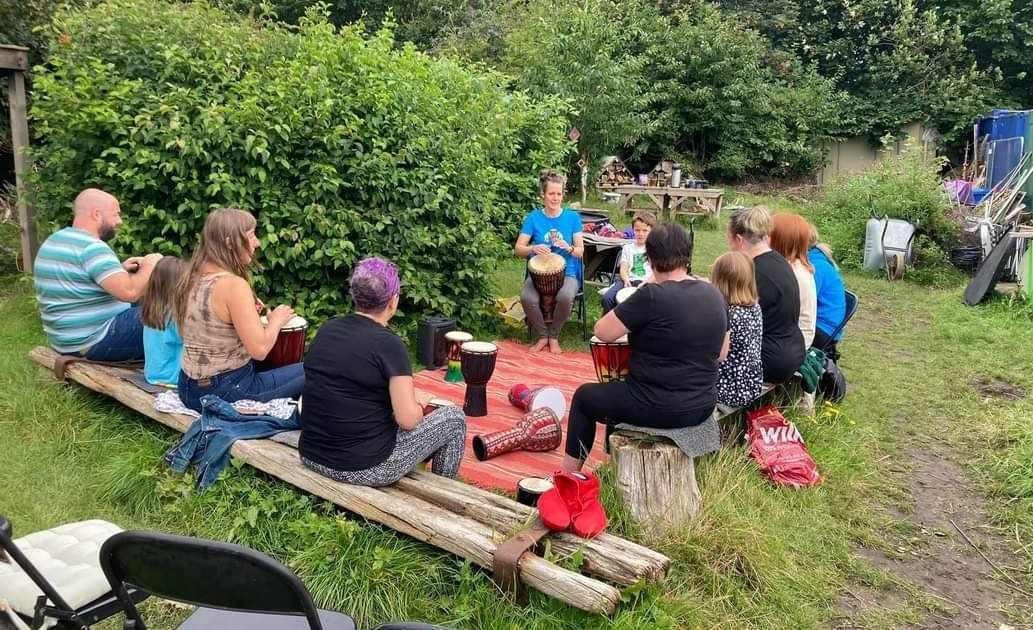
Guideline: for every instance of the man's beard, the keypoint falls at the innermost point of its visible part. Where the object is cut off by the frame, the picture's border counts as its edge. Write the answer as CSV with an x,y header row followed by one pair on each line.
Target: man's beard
x,y
107,232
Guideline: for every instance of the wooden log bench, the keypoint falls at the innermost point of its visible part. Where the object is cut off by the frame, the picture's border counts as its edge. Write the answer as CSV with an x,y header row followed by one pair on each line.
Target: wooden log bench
x,y
448,514
656,469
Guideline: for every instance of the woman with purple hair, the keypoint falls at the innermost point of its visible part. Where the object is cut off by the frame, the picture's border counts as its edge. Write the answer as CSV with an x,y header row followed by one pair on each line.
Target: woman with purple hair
x,y
361,422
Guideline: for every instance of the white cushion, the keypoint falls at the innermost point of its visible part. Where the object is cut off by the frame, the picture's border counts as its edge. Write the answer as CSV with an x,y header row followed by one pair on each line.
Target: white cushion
x,y
68,556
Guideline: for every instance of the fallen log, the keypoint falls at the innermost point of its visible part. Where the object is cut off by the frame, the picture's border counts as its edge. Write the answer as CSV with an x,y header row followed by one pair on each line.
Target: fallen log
x,y
392,506
609,557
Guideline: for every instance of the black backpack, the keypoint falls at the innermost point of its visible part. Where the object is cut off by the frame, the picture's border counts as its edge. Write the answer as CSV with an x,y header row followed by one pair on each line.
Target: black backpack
x,y
832,384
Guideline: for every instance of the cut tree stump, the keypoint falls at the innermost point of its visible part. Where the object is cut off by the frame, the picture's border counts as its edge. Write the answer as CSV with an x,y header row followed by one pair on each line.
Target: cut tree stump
x,y
656,480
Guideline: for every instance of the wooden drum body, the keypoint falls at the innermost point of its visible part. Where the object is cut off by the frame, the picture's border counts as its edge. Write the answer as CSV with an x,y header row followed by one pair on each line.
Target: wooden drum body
x,y
477,362
455,339
547,274
612,359
289,347
538,431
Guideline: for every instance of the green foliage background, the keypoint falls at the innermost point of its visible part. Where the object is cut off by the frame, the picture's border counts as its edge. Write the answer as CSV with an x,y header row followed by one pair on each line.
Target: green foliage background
x,y
342,147
905,186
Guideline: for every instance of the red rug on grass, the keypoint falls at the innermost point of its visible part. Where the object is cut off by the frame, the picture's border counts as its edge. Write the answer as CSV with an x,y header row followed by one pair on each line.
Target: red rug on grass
x,y
515,364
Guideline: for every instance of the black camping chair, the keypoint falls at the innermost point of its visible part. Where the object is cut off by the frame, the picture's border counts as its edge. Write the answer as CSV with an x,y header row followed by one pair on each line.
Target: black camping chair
x,y
236,588
851,308
51,604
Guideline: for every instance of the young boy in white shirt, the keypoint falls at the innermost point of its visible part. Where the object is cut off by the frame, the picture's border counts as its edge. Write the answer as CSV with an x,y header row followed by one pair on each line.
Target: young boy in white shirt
x,y
634,267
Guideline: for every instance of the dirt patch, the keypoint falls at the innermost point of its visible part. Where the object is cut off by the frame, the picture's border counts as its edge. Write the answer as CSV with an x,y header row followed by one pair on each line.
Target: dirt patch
x,y
997,388
955,586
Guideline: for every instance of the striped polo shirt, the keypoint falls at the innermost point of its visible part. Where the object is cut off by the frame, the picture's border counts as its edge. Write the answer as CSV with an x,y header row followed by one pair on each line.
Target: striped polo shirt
x,y
76,310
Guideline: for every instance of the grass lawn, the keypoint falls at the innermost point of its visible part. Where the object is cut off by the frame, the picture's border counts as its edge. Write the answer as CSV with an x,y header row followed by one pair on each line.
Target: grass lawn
x,y
758,556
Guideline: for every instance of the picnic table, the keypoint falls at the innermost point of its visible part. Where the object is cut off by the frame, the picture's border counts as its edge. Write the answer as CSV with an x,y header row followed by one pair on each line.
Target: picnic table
x,y
670,201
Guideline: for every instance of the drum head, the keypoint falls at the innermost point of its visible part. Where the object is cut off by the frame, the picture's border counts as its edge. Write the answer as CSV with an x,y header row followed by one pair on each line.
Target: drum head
x,y
625,293
458,335
441,402
546,263
596,341
550,398
479,347
295,323
536,485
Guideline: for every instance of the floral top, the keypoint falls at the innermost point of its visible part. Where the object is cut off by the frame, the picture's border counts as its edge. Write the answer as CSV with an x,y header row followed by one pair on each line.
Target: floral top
x,y
740,376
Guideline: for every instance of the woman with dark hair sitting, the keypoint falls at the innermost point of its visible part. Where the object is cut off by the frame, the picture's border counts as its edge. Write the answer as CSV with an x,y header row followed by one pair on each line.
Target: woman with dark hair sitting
x,y
783,348
361,422
677,326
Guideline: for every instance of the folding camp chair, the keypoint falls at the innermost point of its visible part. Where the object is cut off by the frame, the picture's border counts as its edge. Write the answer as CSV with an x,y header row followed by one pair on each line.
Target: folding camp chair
x,y
53,577
851,308
236,588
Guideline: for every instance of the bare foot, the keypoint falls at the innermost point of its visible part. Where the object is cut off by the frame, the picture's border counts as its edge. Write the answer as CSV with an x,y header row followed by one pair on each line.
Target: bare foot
x,y
554,346
539,346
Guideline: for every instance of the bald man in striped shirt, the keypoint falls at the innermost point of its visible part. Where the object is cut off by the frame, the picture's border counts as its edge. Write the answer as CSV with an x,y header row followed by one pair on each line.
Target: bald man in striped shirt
x,y
85,294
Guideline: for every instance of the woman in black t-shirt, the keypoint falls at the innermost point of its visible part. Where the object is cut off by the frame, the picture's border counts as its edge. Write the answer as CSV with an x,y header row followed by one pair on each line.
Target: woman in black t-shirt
x,y
677,326
778,292
361,423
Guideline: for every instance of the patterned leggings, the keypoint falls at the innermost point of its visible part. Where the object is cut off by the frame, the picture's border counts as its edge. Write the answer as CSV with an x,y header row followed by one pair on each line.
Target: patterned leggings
x,y
441,434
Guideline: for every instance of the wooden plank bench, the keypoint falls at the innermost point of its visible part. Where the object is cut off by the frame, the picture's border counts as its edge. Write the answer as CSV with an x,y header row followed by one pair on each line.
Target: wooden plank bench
x,y
449,514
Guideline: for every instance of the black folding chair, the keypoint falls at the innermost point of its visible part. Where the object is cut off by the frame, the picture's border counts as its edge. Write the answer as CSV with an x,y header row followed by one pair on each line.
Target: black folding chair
x,y
51,605
236,588
851,308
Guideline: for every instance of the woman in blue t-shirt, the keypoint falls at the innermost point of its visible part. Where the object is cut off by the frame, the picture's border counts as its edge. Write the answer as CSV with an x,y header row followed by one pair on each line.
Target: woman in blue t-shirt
x,y
551,228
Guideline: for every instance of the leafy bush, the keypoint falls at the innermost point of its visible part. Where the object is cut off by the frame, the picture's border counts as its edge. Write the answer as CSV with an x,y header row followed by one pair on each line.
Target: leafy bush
x,y
904,186
342,147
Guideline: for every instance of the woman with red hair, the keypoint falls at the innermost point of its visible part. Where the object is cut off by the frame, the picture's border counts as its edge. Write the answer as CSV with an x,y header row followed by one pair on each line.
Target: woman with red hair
x,y
791,237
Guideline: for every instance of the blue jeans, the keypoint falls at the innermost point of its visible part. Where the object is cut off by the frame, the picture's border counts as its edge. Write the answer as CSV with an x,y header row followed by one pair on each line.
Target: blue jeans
x,y
244,382
124,341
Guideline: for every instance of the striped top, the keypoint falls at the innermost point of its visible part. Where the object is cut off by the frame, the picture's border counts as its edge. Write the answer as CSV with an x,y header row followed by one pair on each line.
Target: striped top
x,y
75,309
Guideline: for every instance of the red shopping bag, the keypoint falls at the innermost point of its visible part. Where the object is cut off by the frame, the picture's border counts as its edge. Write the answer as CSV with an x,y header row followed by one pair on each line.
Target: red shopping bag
x,y
779,450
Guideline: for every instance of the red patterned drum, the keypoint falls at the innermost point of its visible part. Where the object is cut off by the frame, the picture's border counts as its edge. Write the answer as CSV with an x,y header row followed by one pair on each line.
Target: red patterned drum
x,y
538,430
290,344
528,398
612,359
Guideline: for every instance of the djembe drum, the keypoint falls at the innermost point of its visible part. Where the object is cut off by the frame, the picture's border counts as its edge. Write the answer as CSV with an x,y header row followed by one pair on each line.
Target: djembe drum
x,y
455,339
290,344
530,488
477,362
528,398
547,273
625,293
537,431
611,358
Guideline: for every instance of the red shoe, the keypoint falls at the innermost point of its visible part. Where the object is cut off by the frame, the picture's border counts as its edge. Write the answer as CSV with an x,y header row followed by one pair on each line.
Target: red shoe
x,y
552,506
588,518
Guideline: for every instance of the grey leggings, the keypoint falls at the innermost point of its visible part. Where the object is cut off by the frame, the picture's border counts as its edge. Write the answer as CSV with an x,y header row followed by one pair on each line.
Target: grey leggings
x,y
441,433
530,300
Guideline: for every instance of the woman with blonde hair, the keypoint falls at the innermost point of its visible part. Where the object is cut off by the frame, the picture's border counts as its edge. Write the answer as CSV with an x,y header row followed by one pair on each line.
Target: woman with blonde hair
x,y
791,237
782,349
218,320
740,377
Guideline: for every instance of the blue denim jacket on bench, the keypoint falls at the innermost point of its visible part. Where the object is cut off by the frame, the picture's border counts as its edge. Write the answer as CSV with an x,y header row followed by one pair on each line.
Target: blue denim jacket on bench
x,y
208,441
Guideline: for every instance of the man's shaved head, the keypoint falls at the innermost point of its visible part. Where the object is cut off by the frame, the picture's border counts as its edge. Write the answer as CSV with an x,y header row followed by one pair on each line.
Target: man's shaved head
x,y
93,199
97,212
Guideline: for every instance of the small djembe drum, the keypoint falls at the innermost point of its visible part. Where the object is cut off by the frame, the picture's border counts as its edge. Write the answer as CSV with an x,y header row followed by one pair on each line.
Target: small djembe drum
x,y
612,359
477,361
530,488
537,431
290,344
434,404
455,339
528,398
625,293
547,273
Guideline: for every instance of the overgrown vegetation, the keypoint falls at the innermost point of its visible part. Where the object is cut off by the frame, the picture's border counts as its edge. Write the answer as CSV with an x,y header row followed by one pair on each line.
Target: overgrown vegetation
x,y
342,146
902,186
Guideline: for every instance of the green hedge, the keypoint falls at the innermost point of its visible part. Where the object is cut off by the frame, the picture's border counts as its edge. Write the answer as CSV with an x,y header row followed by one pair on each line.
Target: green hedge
x,y
342,146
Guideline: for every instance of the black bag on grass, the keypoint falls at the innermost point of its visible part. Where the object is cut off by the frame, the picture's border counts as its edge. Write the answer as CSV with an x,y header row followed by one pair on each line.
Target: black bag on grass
x,y
832,384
